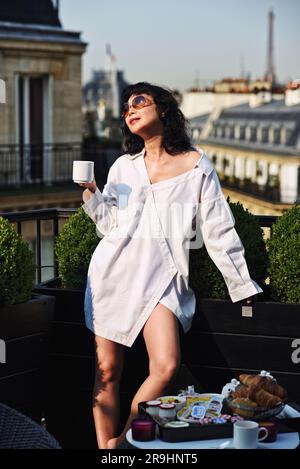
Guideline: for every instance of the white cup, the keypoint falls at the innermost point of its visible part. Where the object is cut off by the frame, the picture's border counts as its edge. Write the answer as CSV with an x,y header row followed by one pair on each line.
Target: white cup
x,y
246,434
83,171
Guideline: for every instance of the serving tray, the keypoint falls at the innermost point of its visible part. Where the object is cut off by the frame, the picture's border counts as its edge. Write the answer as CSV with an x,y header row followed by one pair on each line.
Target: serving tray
x,y
211,430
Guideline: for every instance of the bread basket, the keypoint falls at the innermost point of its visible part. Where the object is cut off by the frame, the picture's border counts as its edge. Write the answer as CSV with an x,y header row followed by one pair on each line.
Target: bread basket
x,y
247,411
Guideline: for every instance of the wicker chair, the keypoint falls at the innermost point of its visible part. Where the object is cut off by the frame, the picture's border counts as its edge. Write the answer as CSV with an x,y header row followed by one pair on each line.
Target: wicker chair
x,y
20,432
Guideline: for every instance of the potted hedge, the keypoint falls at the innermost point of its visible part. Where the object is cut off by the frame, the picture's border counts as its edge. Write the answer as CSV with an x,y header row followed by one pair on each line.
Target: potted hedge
x,y
73,248
284,257
25,322
205,278
223,342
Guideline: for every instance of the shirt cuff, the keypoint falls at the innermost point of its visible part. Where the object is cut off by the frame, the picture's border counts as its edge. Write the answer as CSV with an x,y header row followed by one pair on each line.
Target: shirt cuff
x,y
251,288
93,202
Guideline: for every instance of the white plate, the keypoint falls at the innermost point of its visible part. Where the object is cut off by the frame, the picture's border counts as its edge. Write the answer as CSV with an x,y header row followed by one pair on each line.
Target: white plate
x,y
200,396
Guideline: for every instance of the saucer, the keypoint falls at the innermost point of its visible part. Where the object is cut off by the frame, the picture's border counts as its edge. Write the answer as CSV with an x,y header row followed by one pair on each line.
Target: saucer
x,y
82,181
229,445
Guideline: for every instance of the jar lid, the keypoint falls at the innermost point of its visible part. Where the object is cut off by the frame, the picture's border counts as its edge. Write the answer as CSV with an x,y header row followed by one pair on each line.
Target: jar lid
x,y
143,423
167,406
153,403
176,424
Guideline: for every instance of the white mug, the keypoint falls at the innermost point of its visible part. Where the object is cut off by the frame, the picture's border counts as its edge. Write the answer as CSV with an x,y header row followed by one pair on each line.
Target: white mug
x,y
246,434
83,171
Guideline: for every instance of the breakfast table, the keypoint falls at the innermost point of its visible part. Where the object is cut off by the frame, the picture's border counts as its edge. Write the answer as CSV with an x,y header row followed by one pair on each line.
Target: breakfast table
x,y
284,441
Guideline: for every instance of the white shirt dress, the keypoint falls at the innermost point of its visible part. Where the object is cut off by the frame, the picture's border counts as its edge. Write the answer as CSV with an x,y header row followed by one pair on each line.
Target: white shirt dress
x,y
143,258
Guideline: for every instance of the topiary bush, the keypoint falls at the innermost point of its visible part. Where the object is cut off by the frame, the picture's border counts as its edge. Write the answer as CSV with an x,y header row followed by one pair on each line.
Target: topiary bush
x,y
205,278
284,257
74,247
17,269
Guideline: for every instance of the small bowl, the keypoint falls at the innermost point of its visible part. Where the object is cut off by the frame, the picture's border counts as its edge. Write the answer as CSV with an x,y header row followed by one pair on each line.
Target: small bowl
x,y
177,400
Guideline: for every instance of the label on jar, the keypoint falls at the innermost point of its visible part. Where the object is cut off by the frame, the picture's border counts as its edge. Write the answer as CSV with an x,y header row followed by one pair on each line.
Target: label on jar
x,y
214,407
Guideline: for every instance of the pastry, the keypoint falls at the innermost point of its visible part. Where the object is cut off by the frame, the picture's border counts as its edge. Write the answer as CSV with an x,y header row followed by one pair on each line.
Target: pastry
x,y
244,407
263,398
264,382
240,391
244,401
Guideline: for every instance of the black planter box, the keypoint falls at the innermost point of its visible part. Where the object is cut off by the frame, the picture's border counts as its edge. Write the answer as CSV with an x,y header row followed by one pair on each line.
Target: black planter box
x,y
25,329
222,344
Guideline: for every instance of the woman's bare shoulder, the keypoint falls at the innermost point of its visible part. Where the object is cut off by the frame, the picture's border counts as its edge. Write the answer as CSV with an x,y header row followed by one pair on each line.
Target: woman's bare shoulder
x,y
195,155
190,157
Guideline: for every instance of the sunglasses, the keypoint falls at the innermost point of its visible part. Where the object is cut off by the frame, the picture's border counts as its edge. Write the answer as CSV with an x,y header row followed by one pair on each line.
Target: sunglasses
x,y
138,102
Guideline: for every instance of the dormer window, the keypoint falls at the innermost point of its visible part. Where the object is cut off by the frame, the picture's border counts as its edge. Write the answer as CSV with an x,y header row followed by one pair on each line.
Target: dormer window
x,y
219,131
265,134
288,136
253,134
242,132
276,136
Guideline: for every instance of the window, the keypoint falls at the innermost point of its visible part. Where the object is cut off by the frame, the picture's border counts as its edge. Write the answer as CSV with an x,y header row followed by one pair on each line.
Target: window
x,y
288,136
228,131
220,131
242,132
265,134
253,134
276,136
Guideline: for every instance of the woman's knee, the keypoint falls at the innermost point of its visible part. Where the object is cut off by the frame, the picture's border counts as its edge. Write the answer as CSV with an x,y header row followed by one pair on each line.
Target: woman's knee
x,y
109,358
108,371
166,369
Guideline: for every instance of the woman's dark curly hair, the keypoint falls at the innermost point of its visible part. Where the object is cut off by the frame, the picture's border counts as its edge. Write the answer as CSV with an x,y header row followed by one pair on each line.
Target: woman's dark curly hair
x,y
175,135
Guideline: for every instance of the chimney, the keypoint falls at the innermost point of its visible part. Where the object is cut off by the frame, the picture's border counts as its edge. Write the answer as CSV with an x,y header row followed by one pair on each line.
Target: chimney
x,y
2,91
258,99
292,93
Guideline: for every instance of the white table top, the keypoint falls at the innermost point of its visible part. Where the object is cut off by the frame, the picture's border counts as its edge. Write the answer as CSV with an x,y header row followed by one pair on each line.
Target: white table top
x,y
284,441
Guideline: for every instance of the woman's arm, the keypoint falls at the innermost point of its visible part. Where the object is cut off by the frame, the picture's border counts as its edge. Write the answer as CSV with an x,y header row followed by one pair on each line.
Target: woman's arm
x,y
102,208
222,241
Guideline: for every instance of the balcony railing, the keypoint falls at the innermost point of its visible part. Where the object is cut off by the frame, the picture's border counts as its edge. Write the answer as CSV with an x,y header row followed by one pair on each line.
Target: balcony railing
x,y
42,238
25,165
266,192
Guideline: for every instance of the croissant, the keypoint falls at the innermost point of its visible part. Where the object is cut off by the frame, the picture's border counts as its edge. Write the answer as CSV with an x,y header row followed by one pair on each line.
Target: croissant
x,y
240,391
264,382
272,387
248,380
244,401
263,398
244,407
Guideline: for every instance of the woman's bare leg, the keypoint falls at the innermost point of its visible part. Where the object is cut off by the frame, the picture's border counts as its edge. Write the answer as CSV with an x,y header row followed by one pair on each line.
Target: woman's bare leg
x,y
161,337
109,359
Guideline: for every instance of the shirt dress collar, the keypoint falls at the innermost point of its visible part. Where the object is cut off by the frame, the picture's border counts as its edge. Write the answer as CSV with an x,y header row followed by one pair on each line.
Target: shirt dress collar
x,y
132,157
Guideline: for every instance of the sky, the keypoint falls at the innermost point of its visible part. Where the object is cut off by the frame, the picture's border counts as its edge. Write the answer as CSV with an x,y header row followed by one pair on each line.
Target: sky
x,y
185,43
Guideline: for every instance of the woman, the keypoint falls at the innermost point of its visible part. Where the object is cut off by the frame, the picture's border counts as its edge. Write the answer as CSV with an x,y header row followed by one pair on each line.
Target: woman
x,y
138,276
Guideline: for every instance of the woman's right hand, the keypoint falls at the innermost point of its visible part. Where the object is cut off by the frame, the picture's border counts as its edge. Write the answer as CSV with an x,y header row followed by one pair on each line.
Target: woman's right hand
x,y
90,189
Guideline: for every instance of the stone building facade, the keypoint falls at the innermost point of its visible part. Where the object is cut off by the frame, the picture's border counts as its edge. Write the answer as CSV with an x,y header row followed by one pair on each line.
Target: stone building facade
x,y
40,63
